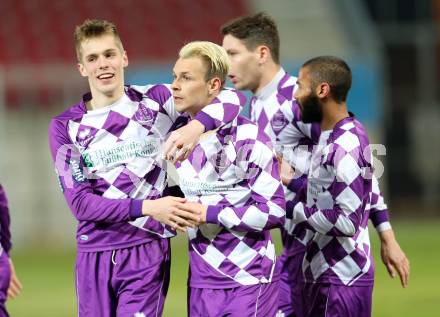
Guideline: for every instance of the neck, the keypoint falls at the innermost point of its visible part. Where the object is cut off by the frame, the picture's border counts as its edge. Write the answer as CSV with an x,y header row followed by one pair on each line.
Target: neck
x,y
100,100
269,70
333,112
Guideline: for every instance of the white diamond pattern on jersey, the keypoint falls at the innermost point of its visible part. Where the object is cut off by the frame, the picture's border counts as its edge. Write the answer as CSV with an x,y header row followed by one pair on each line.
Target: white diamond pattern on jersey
x,y
238,247
123,154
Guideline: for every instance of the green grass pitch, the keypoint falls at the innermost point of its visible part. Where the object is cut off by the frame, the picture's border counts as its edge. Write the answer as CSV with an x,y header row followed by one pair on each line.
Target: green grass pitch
x,y
48,278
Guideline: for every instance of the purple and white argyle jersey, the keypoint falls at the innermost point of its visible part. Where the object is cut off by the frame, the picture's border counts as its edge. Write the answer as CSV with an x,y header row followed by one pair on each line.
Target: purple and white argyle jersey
x,y
110,159
276,111
235,172
5,233
339,195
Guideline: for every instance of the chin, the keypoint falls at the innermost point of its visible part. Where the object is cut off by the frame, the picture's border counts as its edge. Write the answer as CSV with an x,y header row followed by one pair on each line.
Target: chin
x,y
108,89
180,107
241,86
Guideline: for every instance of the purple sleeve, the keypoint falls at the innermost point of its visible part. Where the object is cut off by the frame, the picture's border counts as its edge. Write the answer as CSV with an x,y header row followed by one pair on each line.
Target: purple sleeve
x,y
5,233
266,207
298,184
345,216
379,215
83,202
222,110
299,187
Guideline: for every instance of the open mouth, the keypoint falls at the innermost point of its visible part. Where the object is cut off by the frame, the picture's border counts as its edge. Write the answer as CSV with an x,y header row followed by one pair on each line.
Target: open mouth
x,y
105,76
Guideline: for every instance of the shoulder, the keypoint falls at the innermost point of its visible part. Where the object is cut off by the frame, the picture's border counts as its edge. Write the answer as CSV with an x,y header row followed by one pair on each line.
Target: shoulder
x,y
74,113
351,138
286,87
250,133
160,92
350,135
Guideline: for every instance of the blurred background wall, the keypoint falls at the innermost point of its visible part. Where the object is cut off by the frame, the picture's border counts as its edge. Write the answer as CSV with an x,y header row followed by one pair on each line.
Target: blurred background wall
x,y
392,47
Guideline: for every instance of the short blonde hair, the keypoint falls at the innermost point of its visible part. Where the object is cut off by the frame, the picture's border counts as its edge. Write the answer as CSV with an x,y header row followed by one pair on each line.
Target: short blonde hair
x,y
214,55
92,29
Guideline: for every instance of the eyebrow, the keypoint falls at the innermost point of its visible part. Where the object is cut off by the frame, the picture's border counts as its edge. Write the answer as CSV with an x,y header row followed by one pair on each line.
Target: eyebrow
x,y
182,73
110,50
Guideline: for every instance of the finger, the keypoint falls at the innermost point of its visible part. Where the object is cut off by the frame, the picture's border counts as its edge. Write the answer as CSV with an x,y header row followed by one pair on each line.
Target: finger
x,y
12,293
390,269
167,147
175,226
172,153
187,153
178,199
194,224
188,207
169,143
180,155
16,283
180,229
189,217
404,276
400,271
180,221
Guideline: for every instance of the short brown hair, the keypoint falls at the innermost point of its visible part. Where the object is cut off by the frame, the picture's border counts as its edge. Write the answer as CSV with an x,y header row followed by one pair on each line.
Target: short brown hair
x,y
255,30
94,28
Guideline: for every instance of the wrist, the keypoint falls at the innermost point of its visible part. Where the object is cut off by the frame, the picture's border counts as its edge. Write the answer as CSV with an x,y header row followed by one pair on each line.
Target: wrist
x,y
387,236
146,208
197,126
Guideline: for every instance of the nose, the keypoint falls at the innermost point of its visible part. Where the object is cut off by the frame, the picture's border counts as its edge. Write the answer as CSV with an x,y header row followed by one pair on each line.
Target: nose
x,y
295,93
174,85
103,63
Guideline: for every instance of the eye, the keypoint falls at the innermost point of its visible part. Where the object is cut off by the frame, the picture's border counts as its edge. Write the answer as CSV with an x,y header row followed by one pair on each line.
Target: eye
x,y
91,58
186,77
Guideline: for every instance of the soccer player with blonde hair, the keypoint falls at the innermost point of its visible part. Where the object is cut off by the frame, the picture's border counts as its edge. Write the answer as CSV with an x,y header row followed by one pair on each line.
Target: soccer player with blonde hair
x,y
232,180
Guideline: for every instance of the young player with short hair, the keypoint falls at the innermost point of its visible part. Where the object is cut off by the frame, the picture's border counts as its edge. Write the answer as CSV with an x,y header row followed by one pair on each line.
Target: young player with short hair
x,y
252,43
107,151
338,265
232,180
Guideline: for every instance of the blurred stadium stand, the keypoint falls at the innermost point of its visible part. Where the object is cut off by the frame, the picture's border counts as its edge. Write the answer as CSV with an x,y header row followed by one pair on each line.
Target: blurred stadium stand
x,y
392,46
410,32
